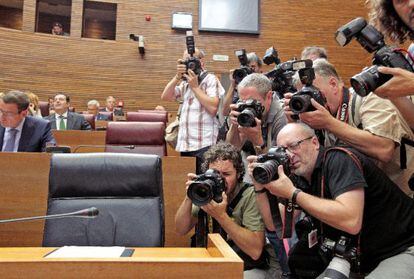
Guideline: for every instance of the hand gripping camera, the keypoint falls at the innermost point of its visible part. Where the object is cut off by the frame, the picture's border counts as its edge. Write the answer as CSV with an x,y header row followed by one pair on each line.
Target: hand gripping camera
x,y
244,70
343,255
373,41
192,63
266,169
206,187
248,111
301,100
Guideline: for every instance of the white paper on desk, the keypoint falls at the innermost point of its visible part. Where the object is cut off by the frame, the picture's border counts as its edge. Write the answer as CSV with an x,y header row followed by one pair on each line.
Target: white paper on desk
x,y
87,252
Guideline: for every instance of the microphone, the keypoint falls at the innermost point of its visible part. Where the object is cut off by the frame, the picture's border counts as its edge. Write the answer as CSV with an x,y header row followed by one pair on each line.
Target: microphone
x,y
101,146
91,212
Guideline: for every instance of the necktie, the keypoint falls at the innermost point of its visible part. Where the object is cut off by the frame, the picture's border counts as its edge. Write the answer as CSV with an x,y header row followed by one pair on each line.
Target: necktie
x,y
9,147
62,125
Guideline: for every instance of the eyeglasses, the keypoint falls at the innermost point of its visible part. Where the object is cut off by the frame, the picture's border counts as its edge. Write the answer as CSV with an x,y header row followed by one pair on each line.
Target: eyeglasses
x,y
294,146
8,113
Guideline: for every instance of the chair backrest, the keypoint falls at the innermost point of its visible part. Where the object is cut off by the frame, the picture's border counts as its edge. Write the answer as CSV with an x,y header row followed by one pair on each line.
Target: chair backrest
x,y
44,108
90,118
136,137
126,189
147,116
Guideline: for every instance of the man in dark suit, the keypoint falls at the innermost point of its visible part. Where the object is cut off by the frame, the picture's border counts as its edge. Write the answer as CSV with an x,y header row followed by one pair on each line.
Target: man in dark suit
x,y
19,132
93,108
63,119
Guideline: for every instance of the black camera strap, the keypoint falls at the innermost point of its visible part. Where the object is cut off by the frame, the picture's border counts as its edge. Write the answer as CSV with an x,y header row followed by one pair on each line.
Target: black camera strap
x,y
359,165
342,113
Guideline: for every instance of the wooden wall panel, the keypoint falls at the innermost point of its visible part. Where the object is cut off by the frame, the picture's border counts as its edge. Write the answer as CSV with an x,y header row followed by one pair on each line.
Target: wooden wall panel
x,y
93,69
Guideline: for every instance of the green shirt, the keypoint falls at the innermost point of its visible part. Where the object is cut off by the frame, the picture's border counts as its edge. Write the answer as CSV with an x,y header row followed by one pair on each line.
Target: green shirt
x,y
246,213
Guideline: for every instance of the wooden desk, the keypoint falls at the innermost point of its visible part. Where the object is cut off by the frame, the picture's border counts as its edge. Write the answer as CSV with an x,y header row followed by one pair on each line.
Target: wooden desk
x,y
81,141
24,182
89,141
217,260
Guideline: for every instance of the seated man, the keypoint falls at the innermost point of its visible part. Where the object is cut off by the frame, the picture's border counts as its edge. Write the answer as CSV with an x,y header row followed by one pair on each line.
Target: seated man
x,y
57,29
18,131
93,108
110,104
66,120
348,195
243,226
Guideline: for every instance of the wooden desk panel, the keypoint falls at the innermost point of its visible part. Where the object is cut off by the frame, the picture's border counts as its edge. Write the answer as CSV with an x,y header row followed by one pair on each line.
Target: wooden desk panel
x,y
24,180
145,263
81,141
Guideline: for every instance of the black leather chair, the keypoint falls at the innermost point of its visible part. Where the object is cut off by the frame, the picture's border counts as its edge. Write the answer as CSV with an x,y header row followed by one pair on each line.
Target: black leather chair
x,y
127,190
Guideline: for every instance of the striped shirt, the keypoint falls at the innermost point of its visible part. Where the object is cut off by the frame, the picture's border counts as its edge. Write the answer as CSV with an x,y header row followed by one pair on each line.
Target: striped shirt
x,y
198,128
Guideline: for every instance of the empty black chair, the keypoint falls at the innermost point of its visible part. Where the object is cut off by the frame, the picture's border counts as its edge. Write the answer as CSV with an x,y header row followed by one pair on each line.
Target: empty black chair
x,y
127,190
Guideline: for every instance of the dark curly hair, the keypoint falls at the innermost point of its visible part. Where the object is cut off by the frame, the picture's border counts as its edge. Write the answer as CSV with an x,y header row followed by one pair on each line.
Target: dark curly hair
x,y
386,19
224,151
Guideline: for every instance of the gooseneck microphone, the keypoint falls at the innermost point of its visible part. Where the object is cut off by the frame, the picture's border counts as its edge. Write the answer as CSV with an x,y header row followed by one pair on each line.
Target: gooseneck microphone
x,y
91,212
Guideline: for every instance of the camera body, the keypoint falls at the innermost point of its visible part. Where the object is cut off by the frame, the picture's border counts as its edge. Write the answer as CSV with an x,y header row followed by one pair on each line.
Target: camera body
x,y
192,63
344,255
282,76
372,41
249,109
206,187
244,70
266,169
301,100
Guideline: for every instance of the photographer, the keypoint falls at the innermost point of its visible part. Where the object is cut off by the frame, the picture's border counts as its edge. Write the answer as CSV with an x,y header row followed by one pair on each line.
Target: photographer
x,y
393,18
257,87
243,226
370,124
257,139
348,196
200,96
255,64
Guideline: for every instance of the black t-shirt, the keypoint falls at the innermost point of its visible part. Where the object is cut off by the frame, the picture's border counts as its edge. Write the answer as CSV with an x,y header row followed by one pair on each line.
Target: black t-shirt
x,y
388,220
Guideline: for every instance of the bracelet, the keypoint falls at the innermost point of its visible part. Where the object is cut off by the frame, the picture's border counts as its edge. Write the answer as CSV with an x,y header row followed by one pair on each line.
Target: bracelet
x,y
177,78
263,190
294,195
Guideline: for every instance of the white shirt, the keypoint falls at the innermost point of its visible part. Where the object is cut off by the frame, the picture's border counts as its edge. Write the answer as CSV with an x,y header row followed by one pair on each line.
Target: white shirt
x,y
65,119
7,135
198,128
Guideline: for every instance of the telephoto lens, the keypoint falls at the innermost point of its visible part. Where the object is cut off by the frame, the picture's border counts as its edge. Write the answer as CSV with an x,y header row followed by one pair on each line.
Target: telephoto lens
x,y
266,169
338,268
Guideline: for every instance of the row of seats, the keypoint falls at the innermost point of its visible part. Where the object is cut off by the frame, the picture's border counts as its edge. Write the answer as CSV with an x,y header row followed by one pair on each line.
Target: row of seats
x,y
136,137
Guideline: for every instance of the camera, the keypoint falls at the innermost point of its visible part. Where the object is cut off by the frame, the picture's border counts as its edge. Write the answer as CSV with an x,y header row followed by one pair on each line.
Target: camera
x,y
192,63
301,100
271,56
249,109
244,70
343,256
206,187
372,41
282,77
266,169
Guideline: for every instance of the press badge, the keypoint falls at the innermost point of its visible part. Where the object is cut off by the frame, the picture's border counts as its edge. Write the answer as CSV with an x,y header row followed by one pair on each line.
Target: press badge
x,y
313,238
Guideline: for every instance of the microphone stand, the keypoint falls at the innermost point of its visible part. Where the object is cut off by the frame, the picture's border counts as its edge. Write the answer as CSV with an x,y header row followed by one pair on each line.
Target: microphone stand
x,y
84,213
